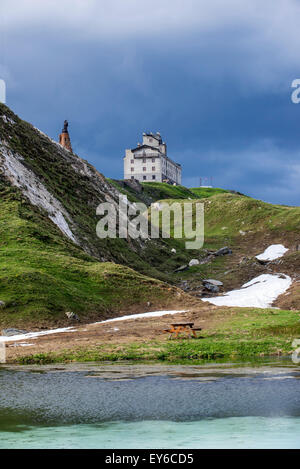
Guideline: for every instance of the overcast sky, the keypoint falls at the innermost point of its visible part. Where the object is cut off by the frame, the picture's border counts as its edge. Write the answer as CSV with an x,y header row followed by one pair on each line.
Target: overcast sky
x,y
214,77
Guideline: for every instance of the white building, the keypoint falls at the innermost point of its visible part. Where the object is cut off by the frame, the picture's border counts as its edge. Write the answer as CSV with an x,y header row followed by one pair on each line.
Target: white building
x,y
149,162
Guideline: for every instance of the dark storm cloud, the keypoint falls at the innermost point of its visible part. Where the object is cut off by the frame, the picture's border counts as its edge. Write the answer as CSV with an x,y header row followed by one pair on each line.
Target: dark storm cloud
x,y
213,77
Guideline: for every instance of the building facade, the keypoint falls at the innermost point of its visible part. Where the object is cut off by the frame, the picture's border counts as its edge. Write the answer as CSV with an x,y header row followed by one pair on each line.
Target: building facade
x,y
148,162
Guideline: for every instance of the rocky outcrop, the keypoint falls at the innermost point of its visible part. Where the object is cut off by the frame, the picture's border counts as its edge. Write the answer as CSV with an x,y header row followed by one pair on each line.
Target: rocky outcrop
x,y
12,331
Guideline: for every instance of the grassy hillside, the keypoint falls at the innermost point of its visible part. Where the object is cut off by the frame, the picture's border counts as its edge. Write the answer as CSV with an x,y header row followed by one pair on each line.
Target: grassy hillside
x,y
43,274
79,188
203,192
248,227
153,191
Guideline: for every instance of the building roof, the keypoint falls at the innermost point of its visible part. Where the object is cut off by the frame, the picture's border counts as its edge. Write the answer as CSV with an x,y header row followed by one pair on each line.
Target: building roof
x,y
146,146
156,136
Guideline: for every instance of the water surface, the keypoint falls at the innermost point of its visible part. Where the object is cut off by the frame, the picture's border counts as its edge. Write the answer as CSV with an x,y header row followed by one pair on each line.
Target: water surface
x,y
119,409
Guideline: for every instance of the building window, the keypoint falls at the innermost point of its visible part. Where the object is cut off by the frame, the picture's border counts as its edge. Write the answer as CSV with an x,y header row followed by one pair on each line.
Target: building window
x,y
132,169
132,177
132,161
144,169
153,160
154,177
144,160
153,168
144,178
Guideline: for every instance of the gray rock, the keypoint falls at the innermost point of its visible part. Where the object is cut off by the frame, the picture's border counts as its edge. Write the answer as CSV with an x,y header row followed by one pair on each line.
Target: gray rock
x,y
211,287
207,259
11,331
217,283
181,268
223,251
73,316
194,262
134,184
2,304
262,261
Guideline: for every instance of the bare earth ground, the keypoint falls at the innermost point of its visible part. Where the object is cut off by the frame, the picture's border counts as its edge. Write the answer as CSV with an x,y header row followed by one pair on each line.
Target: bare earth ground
x,y
115,333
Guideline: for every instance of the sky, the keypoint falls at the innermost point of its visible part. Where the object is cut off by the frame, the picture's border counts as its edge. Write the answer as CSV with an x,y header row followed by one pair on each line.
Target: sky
x,y
212,76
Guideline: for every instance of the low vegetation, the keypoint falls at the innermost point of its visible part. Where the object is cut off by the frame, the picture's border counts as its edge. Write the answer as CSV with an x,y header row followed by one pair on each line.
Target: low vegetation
x,y
240,333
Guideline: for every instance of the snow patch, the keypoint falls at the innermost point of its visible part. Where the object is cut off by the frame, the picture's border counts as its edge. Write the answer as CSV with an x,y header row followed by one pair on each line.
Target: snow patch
x,y
152,314
275,251
34,335
34,190
21,345
260,292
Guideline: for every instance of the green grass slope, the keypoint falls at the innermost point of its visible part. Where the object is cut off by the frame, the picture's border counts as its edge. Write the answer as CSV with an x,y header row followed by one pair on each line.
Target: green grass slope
x,y
153,191
43,274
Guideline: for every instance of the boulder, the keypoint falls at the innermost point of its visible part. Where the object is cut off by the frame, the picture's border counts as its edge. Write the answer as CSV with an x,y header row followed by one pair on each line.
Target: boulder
x,y
223,251
12,331
72,316
217,283
212,285
173,250
2,304
193,262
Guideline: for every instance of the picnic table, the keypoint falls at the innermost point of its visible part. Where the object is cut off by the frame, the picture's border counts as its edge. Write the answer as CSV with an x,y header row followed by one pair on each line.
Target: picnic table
x,y
179,327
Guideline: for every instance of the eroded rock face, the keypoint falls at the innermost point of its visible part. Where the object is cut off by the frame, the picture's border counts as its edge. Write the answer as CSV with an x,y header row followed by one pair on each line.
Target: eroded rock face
x,y
33,188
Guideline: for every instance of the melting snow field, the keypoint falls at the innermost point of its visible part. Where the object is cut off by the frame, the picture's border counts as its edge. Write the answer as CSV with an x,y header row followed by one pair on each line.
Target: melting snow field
x,y
260,292
272,252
